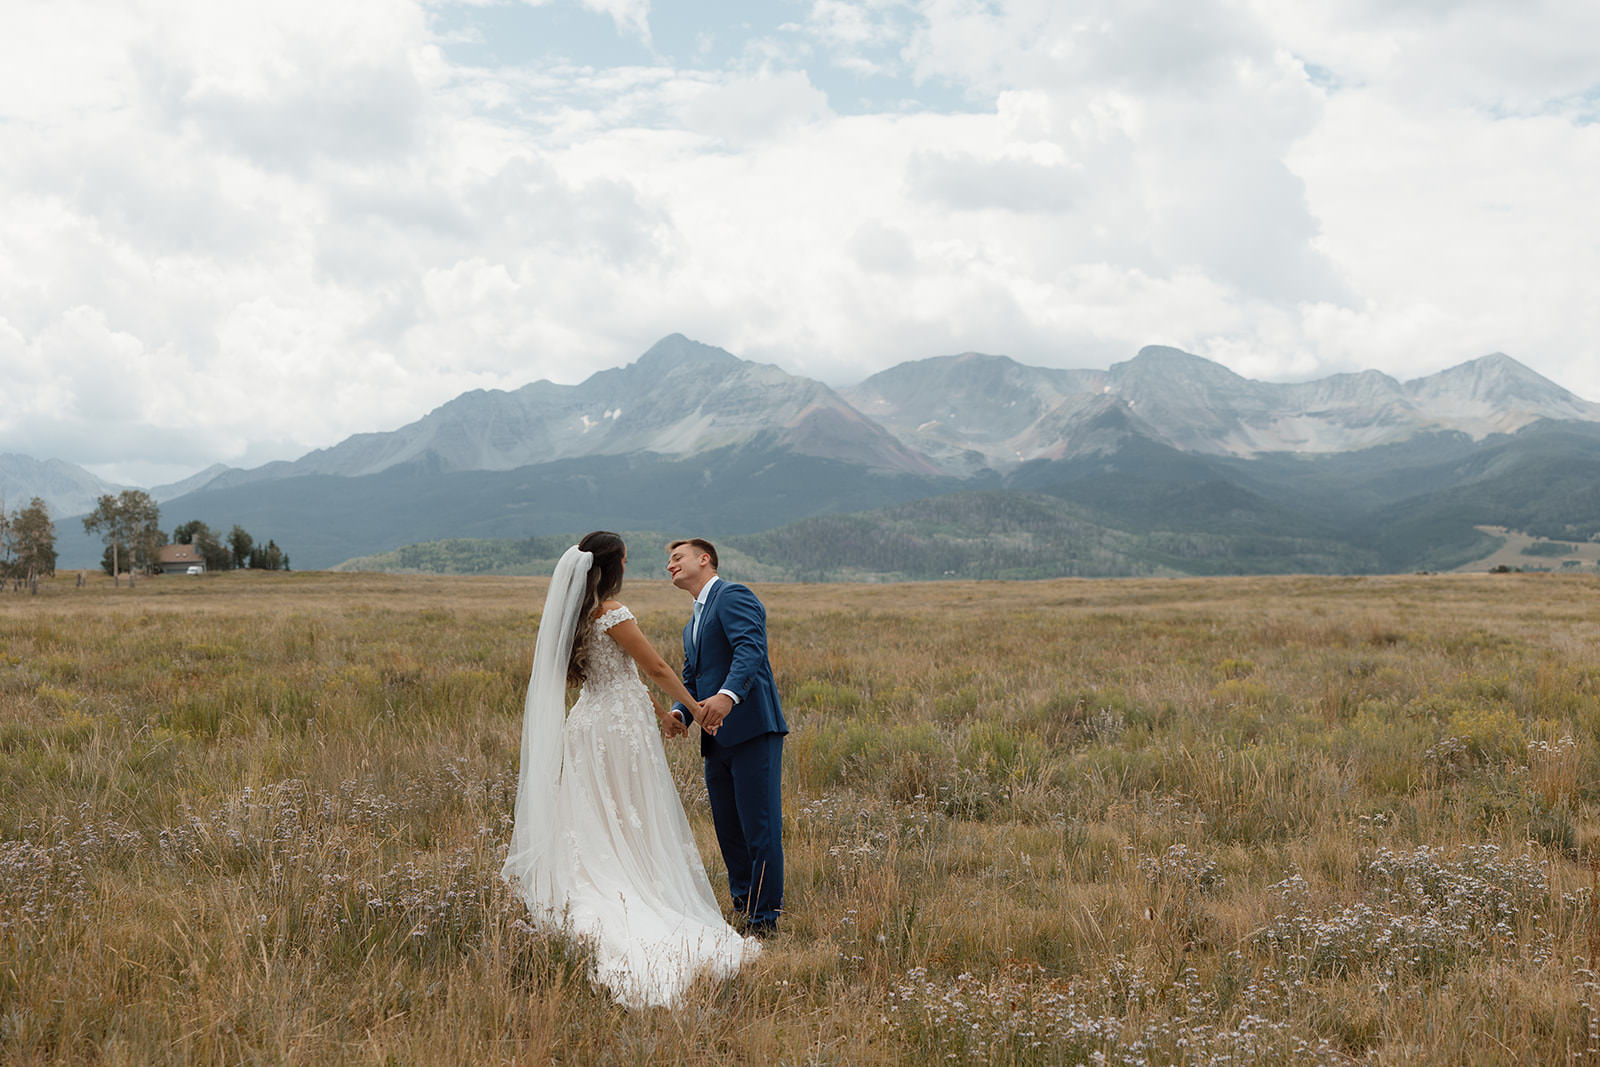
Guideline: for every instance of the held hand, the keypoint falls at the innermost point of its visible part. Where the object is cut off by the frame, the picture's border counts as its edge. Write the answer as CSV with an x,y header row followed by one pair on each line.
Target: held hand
x,y
713,710
699,713
671,725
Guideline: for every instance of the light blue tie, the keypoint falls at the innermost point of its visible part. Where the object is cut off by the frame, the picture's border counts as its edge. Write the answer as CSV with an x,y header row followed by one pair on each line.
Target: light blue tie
x,y
694,631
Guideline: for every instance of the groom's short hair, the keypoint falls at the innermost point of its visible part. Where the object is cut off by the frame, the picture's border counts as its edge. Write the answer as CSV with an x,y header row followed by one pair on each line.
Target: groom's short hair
x,y
700,545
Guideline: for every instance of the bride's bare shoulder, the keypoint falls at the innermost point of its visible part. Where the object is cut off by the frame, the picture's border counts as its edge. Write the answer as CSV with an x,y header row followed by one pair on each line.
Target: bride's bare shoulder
x,y
607,605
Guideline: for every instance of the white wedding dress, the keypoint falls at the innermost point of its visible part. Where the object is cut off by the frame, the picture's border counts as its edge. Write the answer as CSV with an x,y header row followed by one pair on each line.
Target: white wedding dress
x,y
618,866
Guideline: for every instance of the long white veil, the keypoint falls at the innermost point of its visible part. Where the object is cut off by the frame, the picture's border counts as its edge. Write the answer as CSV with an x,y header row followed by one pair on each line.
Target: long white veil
x,y
544,714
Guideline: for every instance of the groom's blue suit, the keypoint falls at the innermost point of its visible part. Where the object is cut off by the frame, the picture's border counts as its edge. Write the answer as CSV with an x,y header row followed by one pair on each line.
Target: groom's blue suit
x,y
743,760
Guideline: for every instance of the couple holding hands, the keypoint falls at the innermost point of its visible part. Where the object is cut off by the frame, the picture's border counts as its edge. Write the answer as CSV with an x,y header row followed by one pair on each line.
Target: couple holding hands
x,y
601,847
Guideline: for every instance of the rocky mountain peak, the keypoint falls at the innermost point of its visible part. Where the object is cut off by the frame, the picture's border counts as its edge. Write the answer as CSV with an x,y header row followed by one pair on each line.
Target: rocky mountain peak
x,y
675,351
1173,365
971,410
1492,379
66,488
198,480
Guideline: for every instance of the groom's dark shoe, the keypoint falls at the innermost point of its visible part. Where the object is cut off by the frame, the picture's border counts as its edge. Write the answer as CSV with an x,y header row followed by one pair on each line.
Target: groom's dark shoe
x,y
749,927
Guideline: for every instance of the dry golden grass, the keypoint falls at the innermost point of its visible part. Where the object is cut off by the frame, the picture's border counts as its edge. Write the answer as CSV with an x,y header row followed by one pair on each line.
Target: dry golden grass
x,y
258,818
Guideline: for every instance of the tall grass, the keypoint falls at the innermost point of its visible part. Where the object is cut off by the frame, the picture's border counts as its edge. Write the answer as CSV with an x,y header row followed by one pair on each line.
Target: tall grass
x,y
259,818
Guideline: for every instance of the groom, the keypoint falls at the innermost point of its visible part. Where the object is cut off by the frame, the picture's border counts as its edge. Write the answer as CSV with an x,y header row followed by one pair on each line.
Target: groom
x,y
725,666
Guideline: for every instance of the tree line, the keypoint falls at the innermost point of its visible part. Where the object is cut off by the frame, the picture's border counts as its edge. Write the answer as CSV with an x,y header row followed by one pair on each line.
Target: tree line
x,y
27,544
237,551
129,525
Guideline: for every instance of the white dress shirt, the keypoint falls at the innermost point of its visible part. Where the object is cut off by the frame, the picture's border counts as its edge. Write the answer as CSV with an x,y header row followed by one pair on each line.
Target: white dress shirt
x,y
694,635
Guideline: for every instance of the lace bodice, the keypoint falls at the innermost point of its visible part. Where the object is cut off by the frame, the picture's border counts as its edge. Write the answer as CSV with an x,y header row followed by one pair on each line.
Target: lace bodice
x,y
609,665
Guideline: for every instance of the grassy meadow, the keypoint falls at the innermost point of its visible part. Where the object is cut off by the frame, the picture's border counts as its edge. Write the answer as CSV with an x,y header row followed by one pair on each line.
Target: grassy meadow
x,y
258,818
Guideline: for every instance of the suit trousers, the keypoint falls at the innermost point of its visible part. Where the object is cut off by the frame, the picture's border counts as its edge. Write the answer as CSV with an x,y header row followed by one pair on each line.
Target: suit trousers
x,y
743,784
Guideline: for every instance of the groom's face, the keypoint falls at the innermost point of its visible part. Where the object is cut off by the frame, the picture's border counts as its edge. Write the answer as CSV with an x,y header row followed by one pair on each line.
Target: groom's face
x,y
689,569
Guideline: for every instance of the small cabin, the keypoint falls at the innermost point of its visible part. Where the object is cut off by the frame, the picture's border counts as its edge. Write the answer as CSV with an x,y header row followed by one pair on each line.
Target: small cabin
x,y
180,559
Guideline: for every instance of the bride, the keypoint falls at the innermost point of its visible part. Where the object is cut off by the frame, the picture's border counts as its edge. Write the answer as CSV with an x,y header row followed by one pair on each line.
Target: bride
x,y
601,848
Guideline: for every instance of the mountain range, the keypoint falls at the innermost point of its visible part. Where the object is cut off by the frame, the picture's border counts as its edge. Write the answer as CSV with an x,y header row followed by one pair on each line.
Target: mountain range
x,y
68,489
974,410
1351,472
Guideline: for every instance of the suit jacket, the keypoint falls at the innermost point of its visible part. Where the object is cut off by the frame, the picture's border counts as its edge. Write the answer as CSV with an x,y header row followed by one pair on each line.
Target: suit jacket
x,y
731,654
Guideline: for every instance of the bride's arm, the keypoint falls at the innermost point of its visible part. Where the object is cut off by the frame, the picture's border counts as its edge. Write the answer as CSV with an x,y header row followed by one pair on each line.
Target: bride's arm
x,y
672,725
633,641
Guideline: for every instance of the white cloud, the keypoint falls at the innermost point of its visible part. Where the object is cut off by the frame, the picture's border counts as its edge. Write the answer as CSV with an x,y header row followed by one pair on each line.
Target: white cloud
x,y
301,221
749,109
973,182
881,249
1500,58
631,16
842,23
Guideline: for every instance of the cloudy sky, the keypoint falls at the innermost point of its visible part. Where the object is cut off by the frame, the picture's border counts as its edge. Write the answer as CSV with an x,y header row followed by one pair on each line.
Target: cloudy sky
x,y
234,232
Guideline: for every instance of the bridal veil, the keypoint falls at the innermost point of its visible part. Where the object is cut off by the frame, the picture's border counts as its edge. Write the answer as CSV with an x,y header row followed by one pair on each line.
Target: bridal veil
x,y
534,830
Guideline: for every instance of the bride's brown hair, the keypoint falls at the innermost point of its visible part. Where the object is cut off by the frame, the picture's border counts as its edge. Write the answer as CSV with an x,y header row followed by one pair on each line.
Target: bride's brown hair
x,y
605,578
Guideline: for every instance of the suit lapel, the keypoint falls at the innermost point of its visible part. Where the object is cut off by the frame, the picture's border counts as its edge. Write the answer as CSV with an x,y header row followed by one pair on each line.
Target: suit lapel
x,y
705,618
